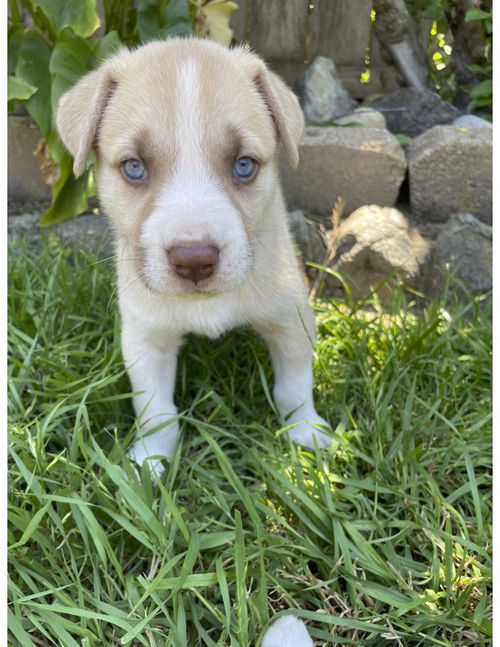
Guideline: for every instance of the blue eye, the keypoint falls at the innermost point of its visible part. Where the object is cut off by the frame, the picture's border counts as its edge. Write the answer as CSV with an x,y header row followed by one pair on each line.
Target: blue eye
x,y
244,168
134,169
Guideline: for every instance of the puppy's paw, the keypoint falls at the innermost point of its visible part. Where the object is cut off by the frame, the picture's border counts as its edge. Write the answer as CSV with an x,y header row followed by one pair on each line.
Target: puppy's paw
x,y
306,432
139,456
287,631
154,444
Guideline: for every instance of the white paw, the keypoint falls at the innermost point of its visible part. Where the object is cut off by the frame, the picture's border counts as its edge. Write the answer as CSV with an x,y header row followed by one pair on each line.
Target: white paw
x,y
305,432
287,631
150,446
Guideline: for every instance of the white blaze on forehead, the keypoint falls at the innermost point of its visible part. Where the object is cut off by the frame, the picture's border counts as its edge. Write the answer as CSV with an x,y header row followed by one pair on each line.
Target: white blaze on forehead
x,y
189,120
193,186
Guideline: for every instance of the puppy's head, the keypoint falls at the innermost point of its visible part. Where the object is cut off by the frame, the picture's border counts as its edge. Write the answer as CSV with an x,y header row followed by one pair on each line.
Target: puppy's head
x,y
185,134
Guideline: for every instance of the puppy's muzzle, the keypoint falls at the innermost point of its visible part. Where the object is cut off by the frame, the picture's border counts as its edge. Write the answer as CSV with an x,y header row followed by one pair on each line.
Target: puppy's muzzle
x,y
194,262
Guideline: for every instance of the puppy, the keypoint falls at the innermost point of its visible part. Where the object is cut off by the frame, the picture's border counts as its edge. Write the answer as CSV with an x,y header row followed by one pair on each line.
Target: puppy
x,y
186,134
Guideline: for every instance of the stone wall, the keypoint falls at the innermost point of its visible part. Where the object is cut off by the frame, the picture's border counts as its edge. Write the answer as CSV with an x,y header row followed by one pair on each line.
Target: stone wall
x,y
289,34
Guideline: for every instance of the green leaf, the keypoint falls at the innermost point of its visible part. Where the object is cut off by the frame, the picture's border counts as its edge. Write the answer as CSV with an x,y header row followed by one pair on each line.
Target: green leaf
x,y
105,47
80,15
149,20
477,14
481,103
69,196
178,18
33,68
481,69
432,12
20,89
482,90
403,139
71,59
14,40
154,20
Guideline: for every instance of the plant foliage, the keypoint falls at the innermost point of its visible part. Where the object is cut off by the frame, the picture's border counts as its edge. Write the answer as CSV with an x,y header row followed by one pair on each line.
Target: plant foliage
x,y
62,41
445,16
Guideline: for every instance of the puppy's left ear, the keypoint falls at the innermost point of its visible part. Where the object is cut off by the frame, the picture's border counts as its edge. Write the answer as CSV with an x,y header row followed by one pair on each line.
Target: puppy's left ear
x,y
81,108
285,110
78,115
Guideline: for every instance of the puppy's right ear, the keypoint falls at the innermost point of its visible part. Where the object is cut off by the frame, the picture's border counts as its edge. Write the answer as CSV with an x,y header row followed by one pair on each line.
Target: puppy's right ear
x,y
79,113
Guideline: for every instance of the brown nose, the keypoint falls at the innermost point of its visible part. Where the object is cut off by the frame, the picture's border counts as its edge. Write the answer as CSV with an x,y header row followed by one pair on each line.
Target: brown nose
x,y
194,262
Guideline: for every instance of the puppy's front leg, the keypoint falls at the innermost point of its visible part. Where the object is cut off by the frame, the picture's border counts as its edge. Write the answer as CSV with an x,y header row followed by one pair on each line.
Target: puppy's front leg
x,y
290,346
151,364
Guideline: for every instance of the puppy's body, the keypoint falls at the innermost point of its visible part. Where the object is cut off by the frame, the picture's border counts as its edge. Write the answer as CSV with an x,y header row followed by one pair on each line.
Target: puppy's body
x,y
196,118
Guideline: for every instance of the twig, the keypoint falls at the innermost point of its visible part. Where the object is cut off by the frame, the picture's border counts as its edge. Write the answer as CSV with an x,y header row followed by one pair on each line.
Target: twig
x,y
331,239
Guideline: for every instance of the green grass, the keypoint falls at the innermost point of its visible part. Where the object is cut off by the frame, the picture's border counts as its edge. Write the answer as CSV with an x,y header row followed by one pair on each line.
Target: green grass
x,y
383,540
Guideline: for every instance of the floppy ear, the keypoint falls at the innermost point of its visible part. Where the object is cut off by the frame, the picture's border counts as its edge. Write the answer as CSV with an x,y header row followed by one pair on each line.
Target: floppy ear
x,y
79,113
285,110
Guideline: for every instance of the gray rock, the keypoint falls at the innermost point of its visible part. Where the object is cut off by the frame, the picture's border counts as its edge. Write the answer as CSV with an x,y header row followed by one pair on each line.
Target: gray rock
x,y
471,121
363,165
450,170
88,230
409,111
25,179
465,246
365,117
322,93
23,226
375,245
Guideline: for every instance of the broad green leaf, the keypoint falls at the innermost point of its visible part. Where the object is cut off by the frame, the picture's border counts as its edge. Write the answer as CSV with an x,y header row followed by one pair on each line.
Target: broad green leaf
x,y
71,59
155,20
70,194
105,47
150,20
20,89
482,90
58,151
33,68
14,39
80,15
481,103
432,12
178,18
477,14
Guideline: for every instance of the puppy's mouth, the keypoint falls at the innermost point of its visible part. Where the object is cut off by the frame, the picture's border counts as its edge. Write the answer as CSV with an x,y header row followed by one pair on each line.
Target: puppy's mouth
x,y
180,288
184,288
196,293
182,276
